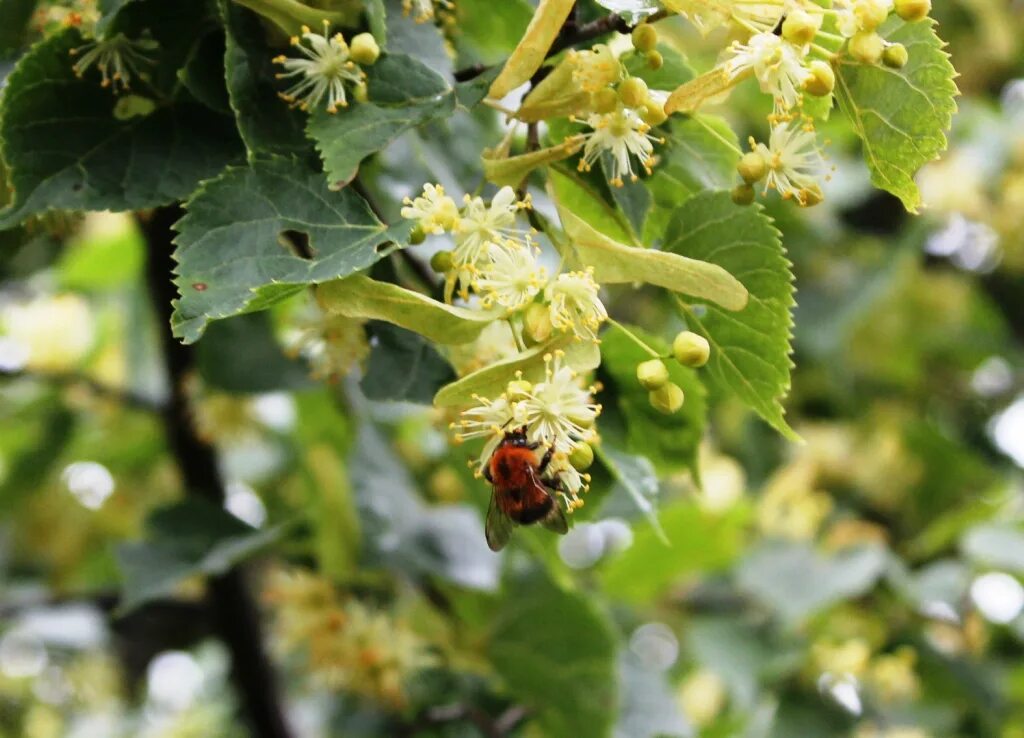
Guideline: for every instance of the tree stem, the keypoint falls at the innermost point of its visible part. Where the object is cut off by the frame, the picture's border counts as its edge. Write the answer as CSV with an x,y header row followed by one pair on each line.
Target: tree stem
x,y
234,613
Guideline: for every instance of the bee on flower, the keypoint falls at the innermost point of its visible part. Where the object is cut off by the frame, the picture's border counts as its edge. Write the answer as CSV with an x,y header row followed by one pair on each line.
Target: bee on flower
x,y
117,58
328,65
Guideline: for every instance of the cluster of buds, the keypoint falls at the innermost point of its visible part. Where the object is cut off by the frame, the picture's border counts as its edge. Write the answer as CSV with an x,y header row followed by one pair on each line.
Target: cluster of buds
x,y
496,262
558,413
665,396
349,645
329,64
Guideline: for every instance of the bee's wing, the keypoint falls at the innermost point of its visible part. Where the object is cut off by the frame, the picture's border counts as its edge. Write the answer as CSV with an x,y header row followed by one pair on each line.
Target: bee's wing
x,y
555,519
498,526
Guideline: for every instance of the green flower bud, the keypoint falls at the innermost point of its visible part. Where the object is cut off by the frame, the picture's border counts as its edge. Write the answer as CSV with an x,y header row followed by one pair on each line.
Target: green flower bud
x,y
652,374
633,92
417,236
800,27
822,79
604,100
582,456
743,194
360,93
537,322
752,167
645,38
653,113
441,262
655,60
895,56
913,10
867,47
667,399
691,349
364,49
518,389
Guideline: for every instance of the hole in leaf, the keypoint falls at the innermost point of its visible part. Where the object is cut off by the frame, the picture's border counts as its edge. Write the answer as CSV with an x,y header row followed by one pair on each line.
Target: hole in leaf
x,y
76,187
297,243
382,247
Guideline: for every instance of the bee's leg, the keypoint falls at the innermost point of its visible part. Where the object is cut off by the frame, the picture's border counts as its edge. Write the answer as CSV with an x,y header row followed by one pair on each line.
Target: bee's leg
x,y
554,484
545,460
487,473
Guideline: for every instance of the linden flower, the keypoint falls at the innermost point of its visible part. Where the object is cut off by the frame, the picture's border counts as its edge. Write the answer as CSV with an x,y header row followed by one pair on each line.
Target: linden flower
x,y
117,58
623,134
423,10
330,344
323,73
860,15
482,230
512,278
559,412
571,483
777,65
594,69
794,162
488,419
574,304
434,210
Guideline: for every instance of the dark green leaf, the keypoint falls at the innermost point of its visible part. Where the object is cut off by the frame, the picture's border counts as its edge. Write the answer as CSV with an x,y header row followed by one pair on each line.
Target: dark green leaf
x,y
66,150
241,355
203,73
259,233
749,348
14,18
403,366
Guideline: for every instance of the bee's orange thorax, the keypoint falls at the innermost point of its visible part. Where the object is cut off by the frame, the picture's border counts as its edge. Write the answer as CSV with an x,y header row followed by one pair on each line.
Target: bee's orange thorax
x,y
512,467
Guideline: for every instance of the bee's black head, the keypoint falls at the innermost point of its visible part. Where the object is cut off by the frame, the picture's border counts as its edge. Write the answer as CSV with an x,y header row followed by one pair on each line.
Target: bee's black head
x,y
516,438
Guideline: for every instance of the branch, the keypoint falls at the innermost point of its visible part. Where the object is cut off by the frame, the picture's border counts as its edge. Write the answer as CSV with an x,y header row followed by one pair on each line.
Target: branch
x,y
234,613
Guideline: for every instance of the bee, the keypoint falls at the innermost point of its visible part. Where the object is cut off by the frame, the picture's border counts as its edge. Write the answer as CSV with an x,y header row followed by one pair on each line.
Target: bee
x,y
521,495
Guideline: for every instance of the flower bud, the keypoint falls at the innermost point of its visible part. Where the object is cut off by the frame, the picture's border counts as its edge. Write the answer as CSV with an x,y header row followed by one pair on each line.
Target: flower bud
x,y
652,374
364,49
811,196
537,322
655,60
360,93
743,194
518,389
895,56
417,235
582,456
653,113
604,100
822,79
441,262
872,14
867,47
752,167
633,92
800,27
667,399
913,10
691,349
645,38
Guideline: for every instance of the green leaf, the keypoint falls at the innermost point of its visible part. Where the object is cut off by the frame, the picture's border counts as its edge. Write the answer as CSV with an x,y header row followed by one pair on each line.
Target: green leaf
x,y
669,441
203,73
491,381
488,31
532,49
266,123
616,263
14,18
556,654
403,366
699,154
403,94
674,68
797,581
573,193
901,115
66,150
359,296
257,234
749,349
512,170
242,355
376,19
188,539
699,543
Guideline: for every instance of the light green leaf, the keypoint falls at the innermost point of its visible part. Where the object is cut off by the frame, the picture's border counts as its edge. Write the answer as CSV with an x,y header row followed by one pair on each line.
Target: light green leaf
x,y
359,296
749,349
690,95
66,150
616,263
403,94
511,170
488,31
188,539
673,71
491,381
257,234
403,366
700,154
376,19
901,115
556,654
699,543
669,441
533,47
575,194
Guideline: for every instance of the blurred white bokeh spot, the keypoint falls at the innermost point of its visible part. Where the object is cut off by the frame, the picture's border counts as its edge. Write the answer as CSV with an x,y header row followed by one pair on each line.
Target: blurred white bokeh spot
x,y
174,680
1007,431
90,482
998,596
655,645
243,502
22,654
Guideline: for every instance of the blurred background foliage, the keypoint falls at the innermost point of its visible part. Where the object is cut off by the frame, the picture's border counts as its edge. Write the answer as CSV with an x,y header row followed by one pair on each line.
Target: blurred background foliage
x,y
865,582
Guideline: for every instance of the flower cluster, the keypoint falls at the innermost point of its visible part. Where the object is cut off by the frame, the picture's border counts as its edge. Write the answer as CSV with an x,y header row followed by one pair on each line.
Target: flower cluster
x,y
118,58
558,413
330,343
329,64
349,645
498,263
